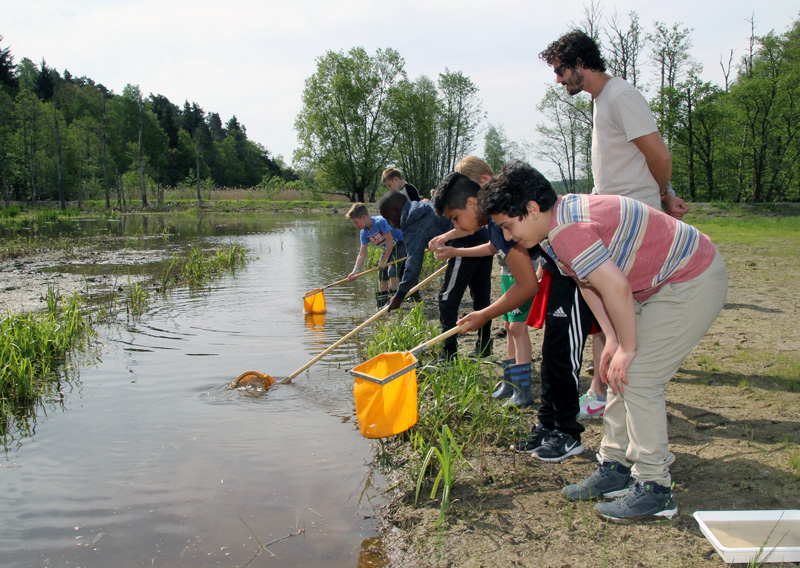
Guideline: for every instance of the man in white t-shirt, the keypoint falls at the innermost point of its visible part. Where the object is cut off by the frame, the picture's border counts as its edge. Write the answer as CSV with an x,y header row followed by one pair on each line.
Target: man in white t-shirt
x,y
629,157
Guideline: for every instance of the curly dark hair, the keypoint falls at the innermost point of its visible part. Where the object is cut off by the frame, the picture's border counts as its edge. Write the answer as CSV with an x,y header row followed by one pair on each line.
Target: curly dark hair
x,y
573,49
510,192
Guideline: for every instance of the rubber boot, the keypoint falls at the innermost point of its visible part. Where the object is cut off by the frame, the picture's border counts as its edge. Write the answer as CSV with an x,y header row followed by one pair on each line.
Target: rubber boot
x,y
521,379
504,388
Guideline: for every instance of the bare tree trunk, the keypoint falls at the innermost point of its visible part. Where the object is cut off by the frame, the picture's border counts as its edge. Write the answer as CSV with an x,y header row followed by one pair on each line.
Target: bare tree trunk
x,y
692,188
58,152
105,159
197,166
5,183
141,157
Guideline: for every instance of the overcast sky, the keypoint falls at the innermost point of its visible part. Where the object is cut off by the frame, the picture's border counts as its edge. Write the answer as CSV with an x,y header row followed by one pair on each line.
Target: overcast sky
x,y
251,57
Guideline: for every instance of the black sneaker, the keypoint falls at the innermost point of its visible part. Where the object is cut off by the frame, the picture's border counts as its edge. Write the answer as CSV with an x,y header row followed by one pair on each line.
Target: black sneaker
x,y
609,480
646,501
559,446
534,441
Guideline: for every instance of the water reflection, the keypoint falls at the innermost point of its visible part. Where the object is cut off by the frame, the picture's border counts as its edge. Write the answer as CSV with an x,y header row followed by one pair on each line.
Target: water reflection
x,y
155,461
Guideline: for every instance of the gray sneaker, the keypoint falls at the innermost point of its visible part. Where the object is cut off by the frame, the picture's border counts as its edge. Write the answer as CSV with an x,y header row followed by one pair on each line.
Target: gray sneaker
x,y
609,480
646,501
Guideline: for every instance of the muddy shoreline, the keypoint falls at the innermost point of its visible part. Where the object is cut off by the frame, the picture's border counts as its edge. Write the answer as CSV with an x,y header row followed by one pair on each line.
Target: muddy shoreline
x,y
733,420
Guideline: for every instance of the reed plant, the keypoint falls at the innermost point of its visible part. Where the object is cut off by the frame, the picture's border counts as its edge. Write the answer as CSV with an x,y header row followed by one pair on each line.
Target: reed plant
x,y
32,345
201,265
456,410
449,457
136,299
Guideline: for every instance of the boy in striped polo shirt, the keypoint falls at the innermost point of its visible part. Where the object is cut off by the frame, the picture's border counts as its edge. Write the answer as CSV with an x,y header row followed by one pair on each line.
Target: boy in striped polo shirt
x,y
655,286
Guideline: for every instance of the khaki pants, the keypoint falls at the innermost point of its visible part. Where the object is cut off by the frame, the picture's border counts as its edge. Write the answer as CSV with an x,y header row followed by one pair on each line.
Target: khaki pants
x,y
669,325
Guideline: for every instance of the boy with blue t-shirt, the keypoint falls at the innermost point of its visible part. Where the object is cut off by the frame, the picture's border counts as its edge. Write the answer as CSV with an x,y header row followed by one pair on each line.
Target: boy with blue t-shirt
x,y
376,231
655,286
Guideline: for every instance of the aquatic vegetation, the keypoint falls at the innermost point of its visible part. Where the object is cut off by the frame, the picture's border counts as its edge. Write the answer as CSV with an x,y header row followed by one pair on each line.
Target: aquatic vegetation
x,y
202,265
456,410
136,298
32,346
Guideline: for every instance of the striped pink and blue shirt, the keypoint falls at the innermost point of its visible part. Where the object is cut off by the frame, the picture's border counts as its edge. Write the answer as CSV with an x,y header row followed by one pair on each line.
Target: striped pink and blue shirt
x,y
649,247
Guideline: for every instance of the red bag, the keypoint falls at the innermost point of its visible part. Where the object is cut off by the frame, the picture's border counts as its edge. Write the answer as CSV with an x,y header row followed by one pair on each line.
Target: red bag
x,y
538,311
539,307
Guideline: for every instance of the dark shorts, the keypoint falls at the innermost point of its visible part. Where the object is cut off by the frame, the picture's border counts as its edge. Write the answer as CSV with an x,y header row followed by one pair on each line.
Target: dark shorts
x,y
394,270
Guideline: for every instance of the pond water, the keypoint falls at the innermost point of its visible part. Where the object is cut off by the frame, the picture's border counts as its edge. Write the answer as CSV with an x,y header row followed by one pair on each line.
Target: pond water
x,y
151,460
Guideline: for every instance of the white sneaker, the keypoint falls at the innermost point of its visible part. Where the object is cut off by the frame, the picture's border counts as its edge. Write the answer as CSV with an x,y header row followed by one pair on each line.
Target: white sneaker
x,y
590,407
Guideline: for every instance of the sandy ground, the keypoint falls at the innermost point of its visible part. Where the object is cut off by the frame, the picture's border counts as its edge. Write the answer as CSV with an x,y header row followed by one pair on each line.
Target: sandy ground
x,y
734,426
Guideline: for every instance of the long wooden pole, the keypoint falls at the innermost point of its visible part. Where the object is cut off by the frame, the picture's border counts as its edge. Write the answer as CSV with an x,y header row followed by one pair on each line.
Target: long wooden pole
x,y
383,310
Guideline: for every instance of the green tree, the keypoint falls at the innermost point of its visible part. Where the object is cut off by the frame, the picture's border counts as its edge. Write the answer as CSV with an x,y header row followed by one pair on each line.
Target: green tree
x,y
767,107
415,110
567,138
8,76
462,112
496,146
343,127
7,112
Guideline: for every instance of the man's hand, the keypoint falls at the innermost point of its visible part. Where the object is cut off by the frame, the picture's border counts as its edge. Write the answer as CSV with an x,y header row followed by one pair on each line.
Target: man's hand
x,y
394,303
674,206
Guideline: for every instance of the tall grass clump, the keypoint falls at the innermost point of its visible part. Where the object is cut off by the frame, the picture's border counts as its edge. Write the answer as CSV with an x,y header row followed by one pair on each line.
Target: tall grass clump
x,y
456,410
32,345
202,265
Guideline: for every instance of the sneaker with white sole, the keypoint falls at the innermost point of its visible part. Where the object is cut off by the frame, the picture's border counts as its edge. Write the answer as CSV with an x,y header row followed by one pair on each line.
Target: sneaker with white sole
x,y
559,446
534,441
590,407
609,480
646,501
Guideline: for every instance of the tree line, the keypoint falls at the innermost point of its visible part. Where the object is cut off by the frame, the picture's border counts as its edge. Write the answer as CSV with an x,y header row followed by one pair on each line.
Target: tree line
x,y
361,113
68,138
736,142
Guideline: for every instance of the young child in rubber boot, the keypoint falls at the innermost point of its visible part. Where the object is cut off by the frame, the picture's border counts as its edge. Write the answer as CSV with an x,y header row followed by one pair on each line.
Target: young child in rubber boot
x,y
456,198
557,433
376,231
655,285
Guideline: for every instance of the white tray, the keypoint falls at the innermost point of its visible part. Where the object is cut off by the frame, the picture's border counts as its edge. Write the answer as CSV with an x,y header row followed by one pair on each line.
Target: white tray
x,y
744,536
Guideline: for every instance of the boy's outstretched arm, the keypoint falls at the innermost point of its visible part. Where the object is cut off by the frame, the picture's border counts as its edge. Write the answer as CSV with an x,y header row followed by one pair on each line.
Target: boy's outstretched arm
x,y
445,252
524,288
362,255
448,236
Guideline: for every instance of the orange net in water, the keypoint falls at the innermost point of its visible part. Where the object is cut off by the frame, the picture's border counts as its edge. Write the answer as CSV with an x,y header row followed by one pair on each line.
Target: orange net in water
x,y
314,302
254,379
